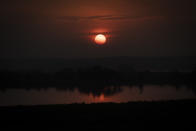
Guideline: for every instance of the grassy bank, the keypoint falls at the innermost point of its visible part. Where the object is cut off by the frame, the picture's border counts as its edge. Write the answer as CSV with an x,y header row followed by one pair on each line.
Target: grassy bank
x,y
176,114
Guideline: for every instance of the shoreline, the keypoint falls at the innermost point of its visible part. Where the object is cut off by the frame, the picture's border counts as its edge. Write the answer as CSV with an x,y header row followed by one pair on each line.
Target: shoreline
x,y
103,103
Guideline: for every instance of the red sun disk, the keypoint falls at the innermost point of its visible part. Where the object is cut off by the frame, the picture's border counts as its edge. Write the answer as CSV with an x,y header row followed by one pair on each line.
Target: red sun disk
x,y
100,39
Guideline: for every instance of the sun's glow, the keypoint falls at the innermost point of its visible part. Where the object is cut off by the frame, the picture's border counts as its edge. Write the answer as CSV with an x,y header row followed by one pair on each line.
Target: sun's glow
x,y
100,39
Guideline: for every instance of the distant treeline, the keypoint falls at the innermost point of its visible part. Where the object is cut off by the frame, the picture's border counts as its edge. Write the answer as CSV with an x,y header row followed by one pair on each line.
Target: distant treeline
x,y
96,79
95,74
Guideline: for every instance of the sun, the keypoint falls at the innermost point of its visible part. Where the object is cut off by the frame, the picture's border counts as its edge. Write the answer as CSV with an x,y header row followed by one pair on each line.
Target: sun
x,y
100,39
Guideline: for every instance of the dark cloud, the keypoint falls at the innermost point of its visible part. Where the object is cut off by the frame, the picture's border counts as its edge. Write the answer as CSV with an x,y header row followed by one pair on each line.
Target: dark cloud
x,y
106,17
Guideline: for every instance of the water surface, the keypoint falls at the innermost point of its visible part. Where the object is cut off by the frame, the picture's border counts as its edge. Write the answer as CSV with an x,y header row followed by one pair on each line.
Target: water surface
x,y
43,96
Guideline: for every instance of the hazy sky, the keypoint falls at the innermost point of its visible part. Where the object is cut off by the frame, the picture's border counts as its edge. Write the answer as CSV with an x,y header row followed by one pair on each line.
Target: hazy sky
x,y
66,28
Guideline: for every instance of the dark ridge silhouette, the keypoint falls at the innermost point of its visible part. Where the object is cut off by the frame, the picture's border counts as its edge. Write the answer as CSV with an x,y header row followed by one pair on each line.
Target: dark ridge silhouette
x,y
123,63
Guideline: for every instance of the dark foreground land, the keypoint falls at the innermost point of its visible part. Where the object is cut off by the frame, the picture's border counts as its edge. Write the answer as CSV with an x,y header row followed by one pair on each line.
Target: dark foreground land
x,y
179,114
